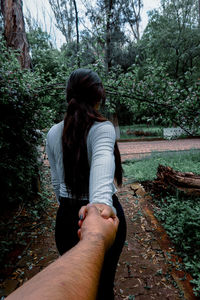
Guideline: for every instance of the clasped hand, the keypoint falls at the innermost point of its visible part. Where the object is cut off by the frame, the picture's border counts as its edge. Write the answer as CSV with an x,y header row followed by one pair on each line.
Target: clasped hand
x,y
99,223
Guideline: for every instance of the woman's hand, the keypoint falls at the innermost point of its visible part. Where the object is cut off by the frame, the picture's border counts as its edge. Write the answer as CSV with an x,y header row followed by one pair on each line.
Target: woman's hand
x,y
105,211
98,229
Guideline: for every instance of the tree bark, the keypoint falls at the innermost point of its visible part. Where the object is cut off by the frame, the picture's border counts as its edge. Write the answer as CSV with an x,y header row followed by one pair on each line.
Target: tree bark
x,y
14,29
187,182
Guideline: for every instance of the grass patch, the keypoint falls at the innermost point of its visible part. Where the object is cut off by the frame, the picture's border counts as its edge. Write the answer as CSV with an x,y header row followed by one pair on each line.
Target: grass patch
x,y
146,168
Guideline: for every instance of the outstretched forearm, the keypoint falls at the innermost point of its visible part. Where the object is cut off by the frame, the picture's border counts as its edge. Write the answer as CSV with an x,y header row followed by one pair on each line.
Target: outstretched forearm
x,y
88,259
75,275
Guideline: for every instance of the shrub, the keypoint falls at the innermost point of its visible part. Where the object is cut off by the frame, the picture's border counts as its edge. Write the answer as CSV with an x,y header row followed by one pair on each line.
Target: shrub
x,y
181,219
22,117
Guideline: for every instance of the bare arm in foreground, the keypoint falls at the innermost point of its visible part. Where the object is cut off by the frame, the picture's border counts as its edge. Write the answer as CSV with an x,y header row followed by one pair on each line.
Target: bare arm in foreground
x,y
75,275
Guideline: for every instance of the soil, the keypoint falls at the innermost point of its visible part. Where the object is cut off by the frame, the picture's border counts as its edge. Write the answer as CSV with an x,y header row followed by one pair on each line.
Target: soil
x,y
146,270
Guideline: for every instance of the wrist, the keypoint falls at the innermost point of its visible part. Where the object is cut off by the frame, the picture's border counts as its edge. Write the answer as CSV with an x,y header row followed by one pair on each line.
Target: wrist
x,y
106,205
95,240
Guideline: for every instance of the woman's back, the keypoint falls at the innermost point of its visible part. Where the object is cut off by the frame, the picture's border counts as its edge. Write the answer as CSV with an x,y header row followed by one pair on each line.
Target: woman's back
x,y
85,160
100,150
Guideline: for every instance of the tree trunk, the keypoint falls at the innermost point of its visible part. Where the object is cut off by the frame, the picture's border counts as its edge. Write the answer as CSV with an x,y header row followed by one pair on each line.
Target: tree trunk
x,y
132,12
15,29
77,33
70,21
114,120
187,182
108,35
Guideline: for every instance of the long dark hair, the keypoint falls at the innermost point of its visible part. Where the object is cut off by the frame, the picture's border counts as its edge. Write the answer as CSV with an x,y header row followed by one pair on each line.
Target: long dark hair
x,y
84,90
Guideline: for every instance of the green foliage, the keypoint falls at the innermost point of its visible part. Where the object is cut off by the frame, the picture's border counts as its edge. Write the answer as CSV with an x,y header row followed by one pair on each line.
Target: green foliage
x,y
172,36
22,118
181,219
139,90
154,96
45,58
155,78
53,66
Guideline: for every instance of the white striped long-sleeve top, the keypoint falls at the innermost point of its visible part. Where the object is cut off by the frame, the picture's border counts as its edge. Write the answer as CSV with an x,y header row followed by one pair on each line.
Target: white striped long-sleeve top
x,y
100,148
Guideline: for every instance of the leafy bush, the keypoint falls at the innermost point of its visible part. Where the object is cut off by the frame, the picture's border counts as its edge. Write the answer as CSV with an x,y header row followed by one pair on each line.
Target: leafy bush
x,y
53,67
181,219
22,117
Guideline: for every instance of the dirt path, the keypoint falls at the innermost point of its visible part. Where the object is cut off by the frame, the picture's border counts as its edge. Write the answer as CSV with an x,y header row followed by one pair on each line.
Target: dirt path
x,y
144,270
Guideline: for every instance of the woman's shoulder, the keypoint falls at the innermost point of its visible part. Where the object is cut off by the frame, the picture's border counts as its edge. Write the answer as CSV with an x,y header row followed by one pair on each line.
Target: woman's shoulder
x,y
55,129
102,128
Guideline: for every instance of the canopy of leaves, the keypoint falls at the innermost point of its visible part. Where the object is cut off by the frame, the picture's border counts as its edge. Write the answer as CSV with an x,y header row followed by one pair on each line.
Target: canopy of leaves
x,y
173,36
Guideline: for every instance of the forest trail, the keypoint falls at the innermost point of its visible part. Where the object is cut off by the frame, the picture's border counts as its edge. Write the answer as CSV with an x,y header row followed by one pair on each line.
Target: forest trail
x,y
145,269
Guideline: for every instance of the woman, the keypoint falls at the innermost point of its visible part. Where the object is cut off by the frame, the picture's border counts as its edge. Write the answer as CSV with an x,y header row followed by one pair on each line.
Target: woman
x,y
85,160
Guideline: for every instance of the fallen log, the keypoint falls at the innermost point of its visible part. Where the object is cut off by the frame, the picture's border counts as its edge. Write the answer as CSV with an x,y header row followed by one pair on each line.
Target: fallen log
x,y
187,182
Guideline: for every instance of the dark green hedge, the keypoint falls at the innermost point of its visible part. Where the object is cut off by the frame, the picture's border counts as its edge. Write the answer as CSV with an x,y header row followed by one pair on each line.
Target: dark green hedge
x,y
22,115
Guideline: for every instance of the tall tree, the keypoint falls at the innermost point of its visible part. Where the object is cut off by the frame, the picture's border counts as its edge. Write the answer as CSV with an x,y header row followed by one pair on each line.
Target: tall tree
x,y
132,14
77,32
172,36
109,5
107,25
14,29
64,14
